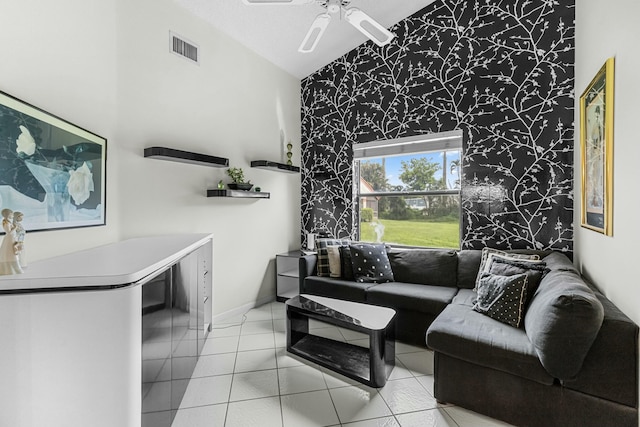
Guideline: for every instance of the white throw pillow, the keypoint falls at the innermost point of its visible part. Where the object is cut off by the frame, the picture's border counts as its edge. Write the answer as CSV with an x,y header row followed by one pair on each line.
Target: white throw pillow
x,y
333,252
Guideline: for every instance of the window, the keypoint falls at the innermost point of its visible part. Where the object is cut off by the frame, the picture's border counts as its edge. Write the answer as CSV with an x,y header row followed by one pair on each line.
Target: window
x,y
408,190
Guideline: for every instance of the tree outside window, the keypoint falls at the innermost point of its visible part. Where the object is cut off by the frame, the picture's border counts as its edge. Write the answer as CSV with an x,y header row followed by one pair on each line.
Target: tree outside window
x,y
411,200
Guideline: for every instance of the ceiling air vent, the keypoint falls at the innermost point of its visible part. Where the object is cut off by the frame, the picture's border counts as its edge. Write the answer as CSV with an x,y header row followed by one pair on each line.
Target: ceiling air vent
x,y
180,46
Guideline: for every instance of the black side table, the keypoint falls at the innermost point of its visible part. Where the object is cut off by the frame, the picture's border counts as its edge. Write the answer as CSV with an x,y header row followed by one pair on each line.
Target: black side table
x,y
371,366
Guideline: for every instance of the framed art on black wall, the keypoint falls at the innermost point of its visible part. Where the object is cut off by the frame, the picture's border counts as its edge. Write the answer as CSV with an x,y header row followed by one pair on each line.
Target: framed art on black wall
x,y
50,170
596,142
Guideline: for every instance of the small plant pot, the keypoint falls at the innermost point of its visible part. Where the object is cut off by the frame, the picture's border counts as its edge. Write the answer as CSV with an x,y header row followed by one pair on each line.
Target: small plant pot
x,y
240,186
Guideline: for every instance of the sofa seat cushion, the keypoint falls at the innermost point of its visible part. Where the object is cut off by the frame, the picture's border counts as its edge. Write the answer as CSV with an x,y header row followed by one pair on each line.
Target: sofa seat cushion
x,y
465,297
409,296
436,267
465,334
336,288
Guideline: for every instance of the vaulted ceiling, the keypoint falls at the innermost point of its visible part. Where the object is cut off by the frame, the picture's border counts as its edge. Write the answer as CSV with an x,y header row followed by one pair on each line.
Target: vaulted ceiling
x,y
275,32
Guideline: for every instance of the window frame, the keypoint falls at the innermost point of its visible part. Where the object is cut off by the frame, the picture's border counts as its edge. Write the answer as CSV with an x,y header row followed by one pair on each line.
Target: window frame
x,y
417,145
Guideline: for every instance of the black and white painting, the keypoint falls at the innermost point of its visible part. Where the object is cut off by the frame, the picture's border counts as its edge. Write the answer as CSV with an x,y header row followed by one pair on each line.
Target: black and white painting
x,y
502,72
51,171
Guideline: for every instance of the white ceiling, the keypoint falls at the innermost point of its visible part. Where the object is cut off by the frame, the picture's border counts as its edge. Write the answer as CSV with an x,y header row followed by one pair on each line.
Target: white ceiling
x,y
275,32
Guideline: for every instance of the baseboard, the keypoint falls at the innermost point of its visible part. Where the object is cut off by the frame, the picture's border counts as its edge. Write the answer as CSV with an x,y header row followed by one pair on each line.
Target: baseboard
x,y
220,318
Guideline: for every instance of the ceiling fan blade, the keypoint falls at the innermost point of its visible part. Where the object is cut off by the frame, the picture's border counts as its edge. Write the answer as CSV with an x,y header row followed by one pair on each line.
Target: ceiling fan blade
x,y
368,26
314,34
276,2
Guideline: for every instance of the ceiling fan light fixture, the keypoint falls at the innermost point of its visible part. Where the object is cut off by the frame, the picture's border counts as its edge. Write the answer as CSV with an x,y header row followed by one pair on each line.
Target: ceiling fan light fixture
x,y
314,34
368,26
363,22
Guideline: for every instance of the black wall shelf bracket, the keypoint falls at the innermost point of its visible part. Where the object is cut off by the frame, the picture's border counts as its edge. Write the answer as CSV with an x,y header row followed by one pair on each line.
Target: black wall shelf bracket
x,y
281,167
174,155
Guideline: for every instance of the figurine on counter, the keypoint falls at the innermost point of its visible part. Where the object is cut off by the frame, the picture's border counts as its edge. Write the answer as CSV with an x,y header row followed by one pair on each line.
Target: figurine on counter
x,y
18,246
8,259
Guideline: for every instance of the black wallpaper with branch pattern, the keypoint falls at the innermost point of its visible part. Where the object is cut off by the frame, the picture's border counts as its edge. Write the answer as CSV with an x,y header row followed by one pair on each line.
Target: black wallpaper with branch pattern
x,y
502,71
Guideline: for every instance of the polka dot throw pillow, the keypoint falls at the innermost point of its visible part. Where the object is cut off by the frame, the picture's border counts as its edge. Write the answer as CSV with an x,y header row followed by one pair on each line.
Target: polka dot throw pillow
x,y
370,263
502,298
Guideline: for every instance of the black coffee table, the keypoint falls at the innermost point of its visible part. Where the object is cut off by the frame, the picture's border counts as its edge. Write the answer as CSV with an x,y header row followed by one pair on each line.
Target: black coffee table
x,y
371,366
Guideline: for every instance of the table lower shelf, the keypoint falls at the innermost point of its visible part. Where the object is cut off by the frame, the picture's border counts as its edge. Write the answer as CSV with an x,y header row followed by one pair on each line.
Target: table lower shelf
x,y
347,359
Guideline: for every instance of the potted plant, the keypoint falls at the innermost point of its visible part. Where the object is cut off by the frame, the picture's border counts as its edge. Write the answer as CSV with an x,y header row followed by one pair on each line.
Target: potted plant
x,y
237,176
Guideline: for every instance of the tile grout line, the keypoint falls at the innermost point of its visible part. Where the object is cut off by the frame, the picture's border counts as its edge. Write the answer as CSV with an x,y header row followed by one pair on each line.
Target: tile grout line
x,y
324,378
275,355
414,374
233,373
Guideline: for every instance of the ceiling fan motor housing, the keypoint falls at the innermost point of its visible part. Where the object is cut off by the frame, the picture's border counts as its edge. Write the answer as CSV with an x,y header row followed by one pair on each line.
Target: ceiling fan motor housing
x,y
333,6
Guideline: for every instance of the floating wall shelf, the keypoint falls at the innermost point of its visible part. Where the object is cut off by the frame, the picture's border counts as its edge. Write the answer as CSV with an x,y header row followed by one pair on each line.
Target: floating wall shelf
x,y
281,167
164,153
241,194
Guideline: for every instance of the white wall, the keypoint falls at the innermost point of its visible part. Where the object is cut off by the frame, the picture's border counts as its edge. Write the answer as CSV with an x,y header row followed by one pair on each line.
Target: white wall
x,y
61,57
603,30
232,105
106,66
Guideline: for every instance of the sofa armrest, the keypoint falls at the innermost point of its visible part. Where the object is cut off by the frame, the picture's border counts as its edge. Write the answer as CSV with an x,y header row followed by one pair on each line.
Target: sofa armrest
x,y
562,322
306,267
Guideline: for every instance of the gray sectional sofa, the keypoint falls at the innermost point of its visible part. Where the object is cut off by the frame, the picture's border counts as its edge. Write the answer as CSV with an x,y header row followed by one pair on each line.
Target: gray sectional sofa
x,y
573,362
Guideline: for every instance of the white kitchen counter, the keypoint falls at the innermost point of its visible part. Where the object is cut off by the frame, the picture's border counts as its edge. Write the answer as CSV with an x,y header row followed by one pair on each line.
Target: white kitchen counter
x,y
109,266
71,342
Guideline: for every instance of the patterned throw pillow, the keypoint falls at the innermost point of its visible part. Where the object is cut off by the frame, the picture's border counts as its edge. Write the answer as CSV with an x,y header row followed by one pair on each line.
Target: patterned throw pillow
x,y
488,253
535,271
502,297
370,263
323,257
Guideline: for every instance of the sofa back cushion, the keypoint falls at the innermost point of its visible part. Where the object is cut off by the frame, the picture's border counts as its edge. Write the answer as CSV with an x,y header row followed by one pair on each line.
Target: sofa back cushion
x,y
437,267
468,265
559,261
562,321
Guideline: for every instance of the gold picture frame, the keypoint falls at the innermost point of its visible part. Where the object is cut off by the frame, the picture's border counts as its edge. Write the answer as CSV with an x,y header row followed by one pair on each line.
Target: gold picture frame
x,y
596,146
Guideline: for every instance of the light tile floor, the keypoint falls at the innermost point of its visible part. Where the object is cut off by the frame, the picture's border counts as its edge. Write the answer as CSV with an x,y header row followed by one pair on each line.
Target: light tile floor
x,y
246,378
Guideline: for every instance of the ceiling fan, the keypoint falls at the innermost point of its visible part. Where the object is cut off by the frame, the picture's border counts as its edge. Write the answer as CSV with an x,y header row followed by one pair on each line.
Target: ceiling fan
x,y
363,22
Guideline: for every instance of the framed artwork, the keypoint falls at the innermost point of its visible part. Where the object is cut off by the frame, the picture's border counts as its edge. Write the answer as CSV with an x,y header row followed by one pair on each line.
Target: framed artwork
x,y
50,170
596,144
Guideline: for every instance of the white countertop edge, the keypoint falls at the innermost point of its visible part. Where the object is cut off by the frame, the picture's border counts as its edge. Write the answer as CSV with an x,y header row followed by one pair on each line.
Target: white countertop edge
x,y
46,274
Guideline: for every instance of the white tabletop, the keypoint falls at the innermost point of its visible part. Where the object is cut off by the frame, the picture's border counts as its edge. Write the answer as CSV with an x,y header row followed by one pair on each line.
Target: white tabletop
x,y
369,316
115,264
